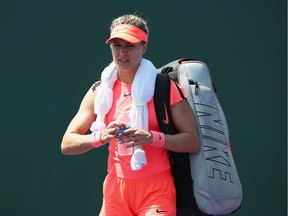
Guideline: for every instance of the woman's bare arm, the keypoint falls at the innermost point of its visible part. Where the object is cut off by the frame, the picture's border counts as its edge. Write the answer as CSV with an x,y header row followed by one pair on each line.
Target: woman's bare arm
x,y
187,139
74,140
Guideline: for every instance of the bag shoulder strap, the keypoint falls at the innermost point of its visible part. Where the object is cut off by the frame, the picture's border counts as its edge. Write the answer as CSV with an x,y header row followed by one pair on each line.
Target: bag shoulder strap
x,y
95,85
180,162
162,103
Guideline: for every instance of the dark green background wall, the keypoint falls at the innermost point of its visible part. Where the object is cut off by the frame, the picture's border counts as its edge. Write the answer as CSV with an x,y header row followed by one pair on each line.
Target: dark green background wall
x,y
52,51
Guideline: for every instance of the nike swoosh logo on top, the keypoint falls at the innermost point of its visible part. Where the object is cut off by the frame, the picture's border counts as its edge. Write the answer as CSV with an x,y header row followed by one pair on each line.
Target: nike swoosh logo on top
x,y
126,94
159,211
166,120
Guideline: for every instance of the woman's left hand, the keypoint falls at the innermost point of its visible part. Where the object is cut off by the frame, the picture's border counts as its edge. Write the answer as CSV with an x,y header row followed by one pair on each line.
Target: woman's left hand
x,y
135,137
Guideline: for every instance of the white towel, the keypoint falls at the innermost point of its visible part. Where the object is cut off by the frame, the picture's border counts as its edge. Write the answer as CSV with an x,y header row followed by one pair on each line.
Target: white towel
x,y
104,97
142,92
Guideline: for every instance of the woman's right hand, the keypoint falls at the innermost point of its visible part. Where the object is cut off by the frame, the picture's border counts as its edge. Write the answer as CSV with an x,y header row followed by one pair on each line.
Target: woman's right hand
x,y
111,131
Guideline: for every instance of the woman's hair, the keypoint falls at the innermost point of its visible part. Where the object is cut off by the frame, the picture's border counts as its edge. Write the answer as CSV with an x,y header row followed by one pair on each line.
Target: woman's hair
x,y
131,19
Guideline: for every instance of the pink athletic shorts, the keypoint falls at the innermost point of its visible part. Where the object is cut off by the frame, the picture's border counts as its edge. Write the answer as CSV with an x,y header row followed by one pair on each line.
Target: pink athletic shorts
x,y
139,197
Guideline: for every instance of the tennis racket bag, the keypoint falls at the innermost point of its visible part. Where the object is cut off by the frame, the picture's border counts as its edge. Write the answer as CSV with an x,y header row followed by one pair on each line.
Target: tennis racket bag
x,y
215,184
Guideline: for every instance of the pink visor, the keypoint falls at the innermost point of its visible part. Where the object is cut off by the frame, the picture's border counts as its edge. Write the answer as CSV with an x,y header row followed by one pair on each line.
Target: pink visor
x,y
129,33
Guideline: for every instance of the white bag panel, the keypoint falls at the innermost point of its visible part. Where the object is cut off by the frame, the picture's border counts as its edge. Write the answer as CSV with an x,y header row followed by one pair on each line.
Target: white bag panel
x,y
217,187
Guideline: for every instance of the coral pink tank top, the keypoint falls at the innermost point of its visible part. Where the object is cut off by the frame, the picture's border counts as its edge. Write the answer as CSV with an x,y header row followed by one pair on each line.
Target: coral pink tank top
x,y
157,158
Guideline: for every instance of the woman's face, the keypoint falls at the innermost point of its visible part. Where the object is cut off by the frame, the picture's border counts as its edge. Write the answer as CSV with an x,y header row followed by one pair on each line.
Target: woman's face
x,y
127,56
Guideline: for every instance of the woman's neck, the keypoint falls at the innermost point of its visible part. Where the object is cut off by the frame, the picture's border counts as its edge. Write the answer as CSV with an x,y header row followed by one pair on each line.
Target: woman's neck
x,y
126,76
